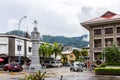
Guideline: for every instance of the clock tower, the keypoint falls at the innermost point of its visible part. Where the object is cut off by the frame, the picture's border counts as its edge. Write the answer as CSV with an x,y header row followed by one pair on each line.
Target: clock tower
x,y
35,59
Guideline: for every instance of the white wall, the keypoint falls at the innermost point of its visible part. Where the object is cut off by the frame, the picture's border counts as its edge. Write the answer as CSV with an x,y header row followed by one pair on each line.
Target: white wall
x,y
4,45
22,48
28,44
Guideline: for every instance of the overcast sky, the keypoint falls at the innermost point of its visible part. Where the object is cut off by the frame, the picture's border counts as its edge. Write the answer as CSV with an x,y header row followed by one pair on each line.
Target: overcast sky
x,y
54,17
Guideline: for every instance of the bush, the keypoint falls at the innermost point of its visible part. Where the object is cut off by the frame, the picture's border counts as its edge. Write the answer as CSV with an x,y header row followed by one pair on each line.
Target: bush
x,y
107,71
35,76
112,63
102,65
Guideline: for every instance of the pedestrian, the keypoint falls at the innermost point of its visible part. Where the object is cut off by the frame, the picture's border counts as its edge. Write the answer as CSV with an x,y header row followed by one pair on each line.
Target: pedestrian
x,y
88,65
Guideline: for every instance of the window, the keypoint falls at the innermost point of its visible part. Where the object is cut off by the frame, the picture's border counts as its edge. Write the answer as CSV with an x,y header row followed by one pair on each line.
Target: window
x,y
71,56
97,55
97,43
108,42
29,49
118,29
97,31
108,30
19,47
118,41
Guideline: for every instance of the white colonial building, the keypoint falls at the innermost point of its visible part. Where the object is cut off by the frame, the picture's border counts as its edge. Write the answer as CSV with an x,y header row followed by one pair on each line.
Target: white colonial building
x,y
11,49
4,43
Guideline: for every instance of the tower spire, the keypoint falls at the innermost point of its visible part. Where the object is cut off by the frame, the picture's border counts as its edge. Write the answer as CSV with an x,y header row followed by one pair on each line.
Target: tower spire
x,y
35,22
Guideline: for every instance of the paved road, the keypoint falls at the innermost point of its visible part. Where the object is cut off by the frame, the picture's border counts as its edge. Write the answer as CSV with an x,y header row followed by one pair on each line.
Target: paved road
x,y
56,73
11,76
85,75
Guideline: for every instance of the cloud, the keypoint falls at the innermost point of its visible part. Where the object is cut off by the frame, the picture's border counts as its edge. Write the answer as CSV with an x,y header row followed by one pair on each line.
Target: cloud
x,y
88,13
12,23
54,17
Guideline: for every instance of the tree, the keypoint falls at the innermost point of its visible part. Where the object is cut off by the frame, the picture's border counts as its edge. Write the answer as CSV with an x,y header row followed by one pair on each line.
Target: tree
x,y
76,53
111,55
84,52
64,59
42,52
57,48
49,50
45,50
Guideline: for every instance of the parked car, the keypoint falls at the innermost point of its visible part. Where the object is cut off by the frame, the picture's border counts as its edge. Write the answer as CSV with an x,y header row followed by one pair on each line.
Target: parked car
x,y
14,66
56,64
76,66
1,66
66,64
46,64
82,63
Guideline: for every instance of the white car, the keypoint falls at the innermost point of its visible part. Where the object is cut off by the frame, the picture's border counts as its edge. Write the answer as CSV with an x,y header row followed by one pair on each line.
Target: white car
x,y
56,64
76,66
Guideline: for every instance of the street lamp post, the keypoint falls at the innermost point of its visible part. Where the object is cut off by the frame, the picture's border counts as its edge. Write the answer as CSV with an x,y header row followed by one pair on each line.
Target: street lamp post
x,y
19,37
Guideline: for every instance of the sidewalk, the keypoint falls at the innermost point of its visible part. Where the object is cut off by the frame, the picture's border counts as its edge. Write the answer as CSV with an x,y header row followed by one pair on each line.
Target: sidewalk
x,y
51,73
56,73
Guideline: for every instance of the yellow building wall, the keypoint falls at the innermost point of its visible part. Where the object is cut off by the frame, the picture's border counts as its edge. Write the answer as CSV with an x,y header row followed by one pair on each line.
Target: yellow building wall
x,y
70,57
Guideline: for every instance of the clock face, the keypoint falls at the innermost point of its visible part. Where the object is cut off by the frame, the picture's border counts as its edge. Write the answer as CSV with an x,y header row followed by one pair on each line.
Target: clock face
x,y
35,35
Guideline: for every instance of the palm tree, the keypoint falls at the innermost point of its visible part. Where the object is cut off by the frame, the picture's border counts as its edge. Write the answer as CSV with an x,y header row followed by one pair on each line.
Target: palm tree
x,y
49,50
57,49
44,51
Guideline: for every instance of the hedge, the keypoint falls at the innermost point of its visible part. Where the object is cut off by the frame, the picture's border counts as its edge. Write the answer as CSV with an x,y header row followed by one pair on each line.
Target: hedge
x,y
107,71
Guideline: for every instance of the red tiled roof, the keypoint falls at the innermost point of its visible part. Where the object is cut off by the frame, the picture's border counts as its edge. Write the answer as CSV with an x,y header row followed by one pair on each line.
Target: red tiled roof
x,y
107,16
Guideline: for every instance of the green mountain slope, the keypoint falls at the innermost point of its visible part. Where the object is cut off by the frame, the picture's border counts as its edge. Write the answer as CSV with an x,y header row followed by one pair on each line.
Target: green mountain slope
x,y
71,41
78,42
19,33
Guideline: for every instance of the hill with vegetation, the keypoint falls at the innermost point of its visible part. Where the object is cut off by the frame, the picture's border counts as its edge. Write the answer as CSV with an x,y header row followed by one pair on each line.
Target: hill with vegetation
x,y
18,33
78,42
